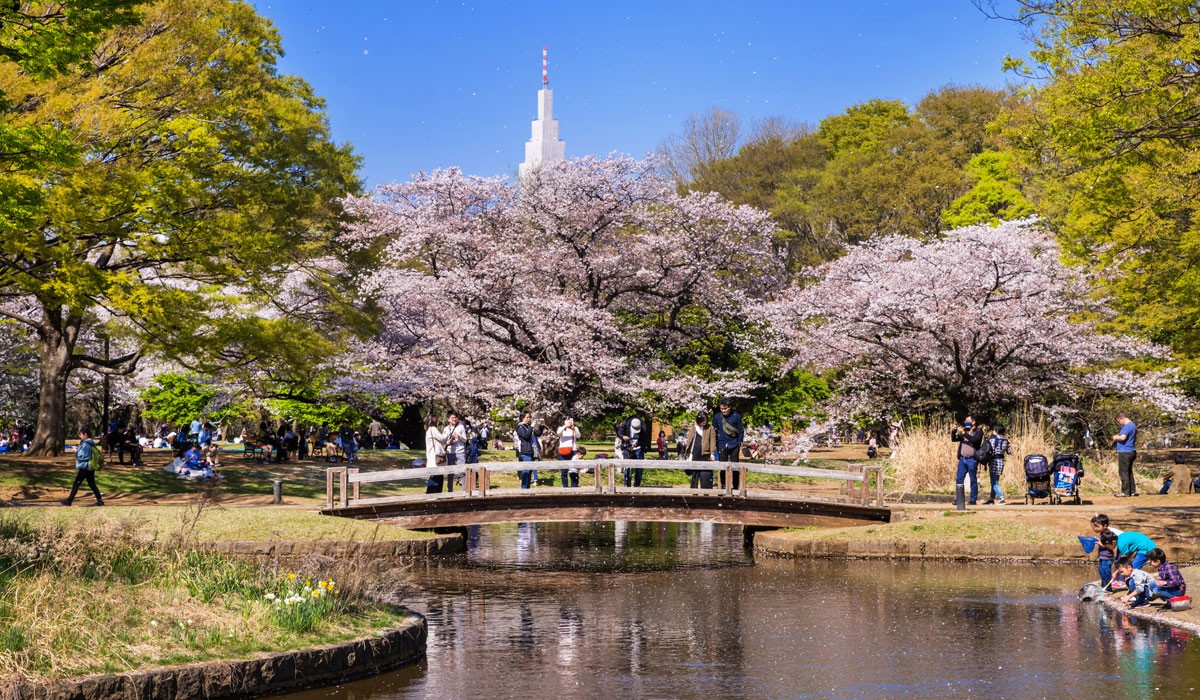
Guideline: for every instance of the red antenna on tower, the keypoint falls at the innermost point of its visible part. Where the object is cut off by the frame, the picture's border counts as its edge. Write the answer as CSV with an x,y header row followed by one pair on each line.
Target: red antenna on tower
x,y
545,69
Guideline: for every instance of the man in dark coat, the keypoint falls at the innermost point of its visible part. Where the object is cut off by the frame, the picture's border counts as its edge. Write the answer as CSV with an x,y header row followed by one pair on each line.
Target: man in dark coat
x,y
730,433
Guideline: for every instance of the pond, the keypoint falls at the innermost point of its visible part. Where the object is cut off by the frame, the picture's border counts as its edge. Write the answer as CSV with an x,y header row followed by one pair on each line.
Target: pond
x,y
558,611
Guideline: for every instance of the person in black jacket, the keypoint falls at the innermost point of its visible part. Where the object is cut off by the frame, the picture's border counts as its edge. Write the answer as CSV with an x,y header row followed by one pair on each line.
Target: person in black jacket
x,y
634,434
528,449
969,437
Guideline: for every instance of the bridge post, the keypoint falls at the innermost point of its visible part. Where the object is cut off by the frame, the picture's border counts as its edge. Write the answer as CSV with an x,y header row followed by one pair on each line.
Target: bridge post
x,y
354,471
596,470
742,473
728,478
329,487
344,485
468,482
612,478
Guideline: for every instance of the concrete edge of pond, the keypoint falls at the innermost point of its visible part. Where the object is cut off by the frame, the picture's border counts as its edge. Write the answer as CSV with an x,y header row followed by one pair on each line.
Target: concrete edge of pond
x,y
782,544
268,675
1151,614
379,552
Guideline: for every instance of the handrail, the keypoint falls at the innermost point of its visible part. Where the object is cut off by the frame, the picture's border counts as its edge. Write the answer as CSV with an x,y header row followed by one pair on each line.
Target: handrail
x,y
477,482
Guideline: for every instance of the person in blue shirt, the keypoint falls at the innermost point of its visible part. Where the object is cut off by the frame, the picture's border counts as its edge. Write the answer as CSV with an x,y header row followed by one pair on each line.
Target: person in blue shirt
x,y
83,468
191,458
1135,544
1126,443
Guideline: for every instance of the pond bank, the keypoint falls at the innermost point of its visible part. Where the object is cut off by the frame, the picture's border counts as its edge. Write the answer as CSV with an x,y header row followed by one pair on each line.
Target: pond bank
x,y
1187,619
266,675
998,534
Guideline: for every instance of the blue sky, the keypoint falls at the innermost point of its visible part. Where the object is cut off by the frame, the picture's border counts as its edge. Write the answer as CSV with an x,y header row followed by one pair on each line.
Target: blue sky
x,y
421,84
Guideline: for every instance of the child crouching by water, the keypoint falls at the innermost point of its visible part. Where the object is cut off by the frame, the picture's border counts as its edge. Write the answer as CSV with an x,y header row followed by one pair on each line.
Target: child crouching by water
x,y
1100,523
1137,581
1169,582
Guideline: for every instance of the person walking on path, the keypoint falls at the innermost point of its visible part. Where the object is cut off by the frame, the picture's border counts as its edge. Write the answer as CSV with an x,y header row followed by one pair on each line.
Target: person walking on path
x,y
1000,447
85,467
701,447
730,432
568,440
969,438
1126,442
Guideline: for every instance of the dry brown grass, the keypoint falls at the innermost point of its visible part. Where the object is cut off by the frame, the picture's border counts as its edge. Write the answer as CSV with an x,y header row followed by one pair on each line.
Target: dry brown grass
x,y
924,459
92,596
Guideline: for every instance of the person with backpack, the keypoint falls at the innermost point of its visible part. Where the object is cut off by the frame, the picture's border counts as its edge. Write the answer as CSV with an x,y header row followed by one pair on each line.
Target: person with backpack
x,y
89,459
727,425
969,438
528,449
997,446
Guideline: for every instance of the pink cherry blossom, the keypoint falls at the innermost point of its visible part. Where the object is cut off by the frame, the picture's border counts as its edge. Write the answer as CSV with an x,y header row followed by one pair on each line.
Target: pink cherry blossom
x,y
981,317
570,292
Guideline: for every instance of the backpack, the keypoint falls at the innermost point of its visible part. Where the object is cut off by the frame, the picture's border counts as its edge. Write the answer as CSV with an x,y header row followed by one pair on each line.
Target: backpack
x,y
96,460
985,452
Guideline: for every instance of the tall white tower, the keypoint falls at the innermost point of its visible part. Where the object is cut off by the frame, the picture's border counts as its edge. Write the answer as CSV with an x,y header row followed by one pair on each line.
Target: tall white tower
x,y
544,146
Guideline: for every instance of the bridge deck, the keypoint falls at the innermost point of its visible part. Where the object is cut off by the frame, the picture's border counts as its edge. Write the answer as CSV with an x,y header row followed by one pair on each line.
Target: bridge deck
x,y
755,508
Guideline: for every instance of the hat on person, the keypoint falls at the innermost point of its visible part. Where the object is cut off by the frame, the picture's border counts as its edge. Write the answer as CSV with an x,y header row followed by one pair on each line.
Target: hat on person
x,y
636,424
418,463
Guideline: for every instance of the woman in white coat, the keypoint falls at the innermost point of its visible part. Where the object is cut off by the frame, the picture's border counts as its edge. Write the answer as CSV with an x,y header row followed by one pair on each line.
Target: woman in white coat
x,y
435,453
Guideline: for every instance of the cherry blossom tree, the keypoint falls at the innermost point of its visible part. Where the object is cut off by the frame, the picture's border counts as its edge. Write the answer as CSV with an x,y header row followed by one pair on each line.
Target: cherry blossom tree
x,y
979,319
569,292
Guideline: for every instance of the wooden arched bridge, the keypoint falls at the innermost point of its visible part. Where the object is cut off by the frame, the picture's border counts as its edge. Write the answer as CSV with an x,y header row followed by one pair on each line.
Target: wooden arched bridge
x,y
605,499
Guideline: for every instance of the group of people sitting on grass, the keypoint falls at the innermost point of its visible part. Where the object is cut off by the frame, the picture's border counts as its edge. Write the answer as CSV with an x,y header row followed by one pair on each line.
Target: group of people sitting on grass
x,y
1122,554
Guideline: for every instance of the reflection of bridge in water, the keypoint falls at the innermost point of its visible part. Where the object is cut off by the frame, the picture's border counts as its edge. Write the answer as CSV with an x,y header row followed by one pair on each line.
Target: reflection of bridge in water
x,y
605,499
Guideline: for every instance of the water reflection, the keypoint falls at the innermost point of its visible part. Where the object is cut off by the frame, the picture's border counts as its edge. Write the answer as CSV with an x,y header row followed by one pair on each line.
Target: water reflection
x,y
658,610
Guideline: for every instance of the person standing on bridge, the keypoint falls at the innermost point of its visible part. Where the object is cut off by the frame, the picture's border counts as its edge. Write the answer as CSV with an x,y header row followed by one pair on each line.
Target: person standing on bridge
x,y
435,453
455,435
700,446
527,446
635,440
568,440
730,432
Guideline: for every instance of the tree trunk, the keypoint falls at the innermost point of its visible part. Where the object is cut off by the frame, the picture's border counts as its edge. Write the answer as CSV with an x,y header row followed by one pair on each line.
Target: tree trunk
x,y
55,354
409,428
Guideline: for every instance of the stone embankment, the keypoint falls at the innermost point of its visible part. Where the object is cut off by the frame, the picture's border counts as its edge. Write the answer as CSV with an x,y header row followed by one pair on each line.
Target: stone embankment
x,y
783,543
381,553
267,675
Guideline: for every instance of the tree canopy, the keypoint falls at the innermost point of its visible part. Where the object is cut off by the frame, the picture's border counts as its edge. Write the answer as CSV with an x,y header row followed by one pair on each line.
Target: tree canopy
x,y
199,180
569,292
1002,321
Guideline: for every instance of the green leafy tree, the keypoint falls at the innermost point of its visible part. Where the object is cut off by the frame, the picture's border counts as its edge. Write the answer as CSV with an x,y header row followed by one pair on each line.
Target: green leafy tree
x,y
1110,133
177,399
204,182
995,193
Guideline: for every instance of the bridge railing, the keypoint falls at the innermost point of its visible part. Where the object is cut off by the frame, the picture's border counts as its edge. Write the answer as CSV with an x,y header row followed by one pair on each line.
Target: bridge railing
x,y
342,483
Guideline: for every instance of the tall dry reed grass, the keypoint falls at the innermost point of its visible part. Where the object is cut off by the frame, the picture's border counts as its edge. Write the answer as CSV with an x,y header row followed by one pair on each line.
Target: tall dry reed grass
x,y
925,459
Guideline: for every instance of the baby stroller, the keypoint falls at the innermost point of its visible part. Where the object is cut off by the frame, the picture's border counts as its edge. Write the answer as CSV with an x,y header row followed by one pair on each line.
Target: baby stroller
x,y
1067,470
1037,479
